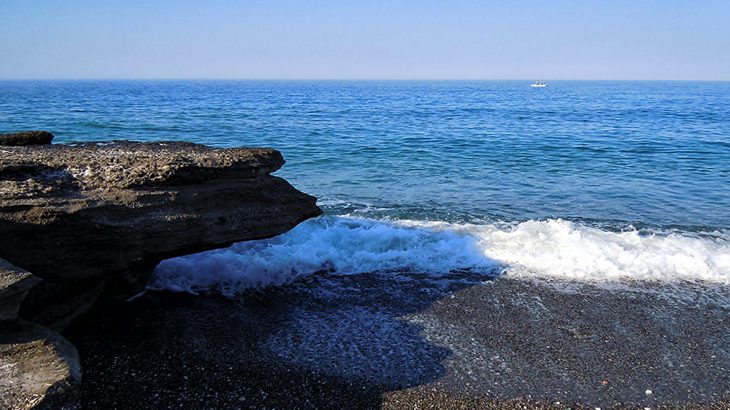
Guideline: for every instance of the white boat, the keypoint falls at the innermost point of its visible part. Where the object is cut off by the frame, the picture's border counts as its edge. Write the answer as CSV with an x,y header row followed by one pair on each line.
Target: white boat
x,y
538,84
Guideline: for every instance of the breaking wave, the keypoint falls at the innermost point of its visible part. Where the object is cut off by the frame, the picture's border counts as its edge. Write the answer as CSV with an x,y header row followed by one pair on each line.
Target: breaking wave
x,y
548,248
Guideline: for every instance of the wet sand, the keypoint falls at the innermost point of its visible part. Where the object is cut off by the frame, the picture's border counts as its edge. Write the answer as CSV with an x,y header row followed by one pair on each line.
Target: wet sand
x,y
411,341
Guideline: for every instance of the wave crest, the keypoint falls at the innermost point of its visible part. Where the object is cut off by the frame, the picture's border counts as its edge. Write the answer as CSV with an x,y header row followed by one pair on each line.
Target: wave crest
x,y
551,248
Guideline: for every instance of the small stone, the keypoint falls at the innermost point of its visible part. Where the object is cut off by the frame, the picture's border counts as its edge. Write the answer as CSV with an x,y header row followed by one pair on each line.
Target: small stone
x,y
648,392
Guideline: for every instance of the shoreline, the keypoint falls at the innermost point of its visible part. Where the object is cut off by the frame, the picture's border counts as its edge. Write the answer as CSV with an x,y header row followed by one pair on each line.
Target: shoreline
x,y
404,341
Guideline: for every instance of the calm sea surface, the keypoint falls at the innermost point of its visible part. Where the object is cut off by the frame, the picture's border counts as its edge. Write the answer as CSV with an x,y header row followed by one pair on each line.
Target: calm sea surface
x,y
601,157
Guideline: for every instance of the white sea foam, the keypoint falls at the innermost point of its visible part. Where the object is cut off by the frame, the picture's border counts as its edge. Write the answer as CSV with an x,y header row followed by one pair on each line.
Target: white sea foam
x,y
552,248
563,249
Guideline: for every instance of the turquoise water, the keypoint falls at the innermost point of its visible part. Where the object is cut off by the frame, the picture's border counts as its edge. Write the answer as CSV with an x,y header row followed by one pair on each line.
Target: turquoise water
x,y
650,159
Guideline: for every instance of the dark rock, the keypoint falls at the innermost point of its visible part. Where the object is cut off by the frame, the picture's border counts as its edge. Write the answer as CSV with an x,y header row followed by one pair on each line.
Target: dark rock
x,y
39,368
14,284
26,138
93,220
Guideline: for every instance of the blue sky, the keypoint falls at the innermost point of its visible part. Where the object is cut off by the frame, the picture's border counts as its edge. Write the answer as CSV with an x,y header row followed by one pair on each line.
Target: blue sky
x,y
469,39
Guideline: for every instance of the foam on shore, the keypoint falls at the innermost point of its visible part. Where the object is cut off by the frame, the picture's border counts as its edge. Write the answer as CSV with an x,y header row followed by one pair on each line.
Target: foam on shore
x,y
550,248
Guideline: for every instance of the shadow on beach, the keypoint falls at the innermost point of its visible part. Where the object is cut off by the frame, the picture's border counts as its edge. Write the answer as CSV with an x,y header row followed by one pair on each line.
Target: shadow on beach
x,y
413,341
324,341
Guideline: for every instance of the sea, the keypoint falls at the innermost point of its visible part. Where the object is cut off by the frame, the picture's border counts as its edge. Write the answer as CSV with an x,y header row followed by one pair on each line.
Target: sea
x,y
589,181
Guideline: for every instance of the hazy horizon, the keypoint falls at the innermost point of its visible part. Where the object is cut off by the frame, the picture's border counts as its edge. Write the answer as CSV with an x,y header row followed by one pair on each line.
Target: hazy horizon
x,y
406,40
223,79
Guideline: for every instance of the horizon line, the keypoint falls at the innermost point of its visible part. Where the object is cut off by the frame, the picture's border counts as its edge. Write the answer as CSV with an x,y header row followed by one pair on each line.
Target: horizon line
x,y
345,79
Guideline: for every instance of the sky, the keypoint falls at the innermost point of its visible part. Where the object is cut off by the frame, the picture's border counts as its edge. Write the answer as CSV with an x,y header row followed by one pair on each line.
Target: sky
x,y
365,39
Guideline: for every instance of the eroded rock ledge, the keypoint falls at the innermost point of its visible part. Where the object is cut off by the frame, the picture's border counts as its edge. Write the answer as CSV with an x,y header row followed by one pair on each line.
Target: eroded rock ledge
x,y
92,220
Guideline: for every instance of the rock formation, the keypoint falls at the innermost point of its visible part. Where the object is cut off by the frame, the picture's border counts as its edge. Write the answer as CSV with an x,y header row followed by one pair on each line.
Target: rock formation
x,y
14,285
84,222
93,220
26,138
39,368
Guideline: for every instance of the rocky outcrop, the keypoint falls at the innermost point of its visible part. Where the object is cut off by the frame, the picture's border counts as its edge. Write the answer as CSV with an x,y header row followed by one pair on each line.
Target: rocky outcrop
x,y
14,284
39,368
26,138
93,220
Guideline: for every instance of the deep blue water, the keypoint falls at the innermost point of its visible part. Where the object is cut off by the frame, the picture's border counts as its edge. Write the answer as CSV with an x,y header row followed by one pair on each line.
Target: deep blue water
x,y
651,154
